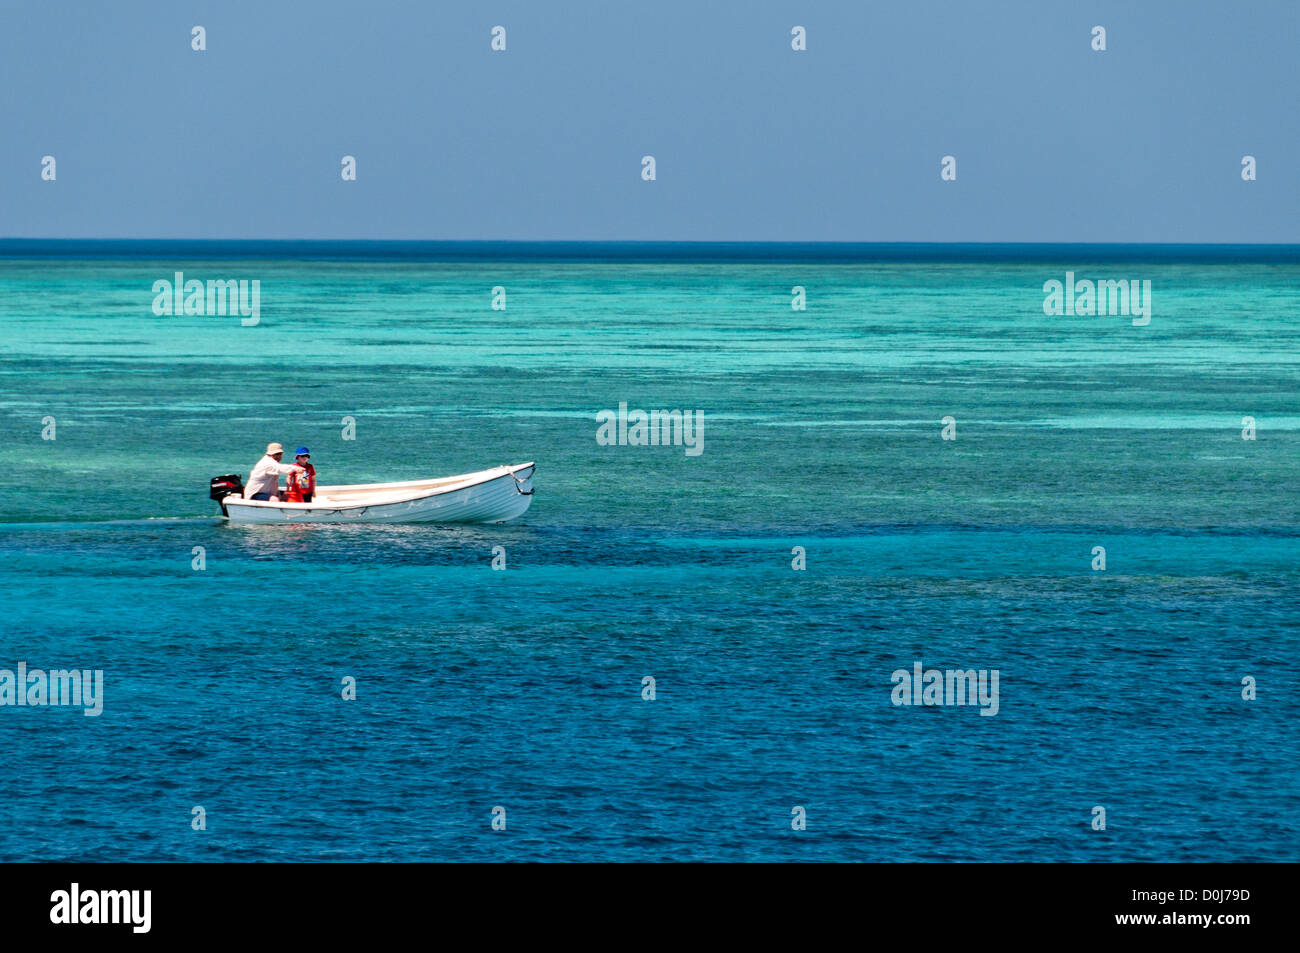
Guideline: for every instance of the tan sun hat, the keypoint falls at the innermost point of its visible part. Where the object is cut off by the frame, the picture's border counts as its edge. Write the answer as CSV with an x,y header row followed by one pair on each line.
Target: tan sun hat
x,y
273,448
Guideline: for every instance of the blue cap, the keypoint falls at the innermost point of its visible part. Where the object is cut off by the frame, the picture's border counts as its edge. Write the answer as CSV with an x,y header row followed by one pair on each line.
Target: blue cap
x,y
301,451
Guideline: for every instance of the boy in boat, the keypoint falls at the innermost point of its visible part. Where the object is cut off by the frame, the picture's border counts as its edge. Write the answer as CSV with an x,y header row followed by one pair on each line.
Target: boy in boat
x,y
301,486
264,481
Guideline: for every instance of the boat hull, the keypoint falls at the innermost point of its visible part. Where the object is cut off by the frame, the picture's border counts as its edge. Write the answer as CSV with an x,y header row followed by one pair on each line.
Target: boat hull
x,y
489,496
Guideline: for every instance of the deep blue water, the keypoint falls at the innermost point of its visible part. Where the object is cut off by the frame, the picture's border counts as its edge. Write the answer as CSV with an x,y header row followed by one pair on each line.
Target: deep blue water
x,y
522,688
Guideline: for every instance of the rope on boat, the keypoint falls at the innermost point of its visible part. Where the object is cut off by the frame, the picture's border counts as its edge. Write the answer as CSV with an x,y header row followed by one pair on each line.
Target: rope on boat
x,y
519,484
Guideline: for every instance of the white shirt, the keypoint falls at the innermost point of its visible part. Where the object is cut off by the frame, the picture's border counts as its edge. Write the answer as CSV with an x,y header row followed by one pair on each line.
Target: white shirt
x,y
265,477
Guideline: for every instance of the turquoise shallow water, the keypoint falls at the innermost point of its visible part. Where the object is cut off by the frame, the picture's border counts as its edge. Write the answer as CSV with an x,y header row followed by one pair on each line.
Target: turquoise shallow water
x,y
522,688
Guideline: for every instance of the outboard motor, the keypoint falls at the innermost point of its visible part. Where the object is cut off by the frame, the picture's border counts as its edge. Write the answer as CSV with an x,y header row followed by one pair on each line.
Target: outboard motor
x,y
223,486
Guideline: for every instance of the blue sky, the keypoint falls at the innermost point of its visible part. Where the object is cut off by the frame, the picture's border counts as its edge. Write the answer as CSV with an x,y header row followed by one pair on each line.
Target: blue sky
x,y
753,141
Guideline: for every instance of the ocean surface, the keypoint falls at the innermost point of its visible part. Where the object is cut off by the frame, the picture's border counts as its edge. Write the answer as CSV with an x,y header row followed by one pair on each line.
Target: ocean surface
x,y
522,689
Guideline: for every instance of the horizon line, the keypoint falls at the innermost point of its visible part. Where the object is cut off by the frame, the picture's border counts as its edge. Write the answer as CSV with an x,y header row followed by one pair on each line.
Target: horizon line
x,y
649,251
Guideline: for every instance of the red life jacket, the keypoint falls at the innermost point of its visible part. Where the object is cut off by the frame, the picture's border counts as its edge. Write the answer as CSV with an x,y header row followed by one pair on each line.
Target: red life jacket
x,y
299,483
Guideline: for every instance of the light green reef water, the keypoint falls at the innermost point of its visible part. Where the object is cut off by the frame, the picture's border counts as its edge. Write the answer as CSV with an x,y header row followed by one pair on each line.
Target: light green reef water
x,y
826,417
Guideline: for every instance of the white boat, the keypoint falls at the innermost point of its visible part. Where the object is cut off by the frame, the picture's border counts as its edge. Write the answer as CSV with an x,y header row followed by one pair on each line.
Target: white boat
x,y
489,496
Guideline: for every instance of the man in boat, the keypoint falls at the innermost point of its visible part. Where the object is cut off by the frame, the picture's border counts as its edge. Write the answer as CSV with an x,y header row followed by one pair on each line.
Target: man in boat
x,y
264,481
301,486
